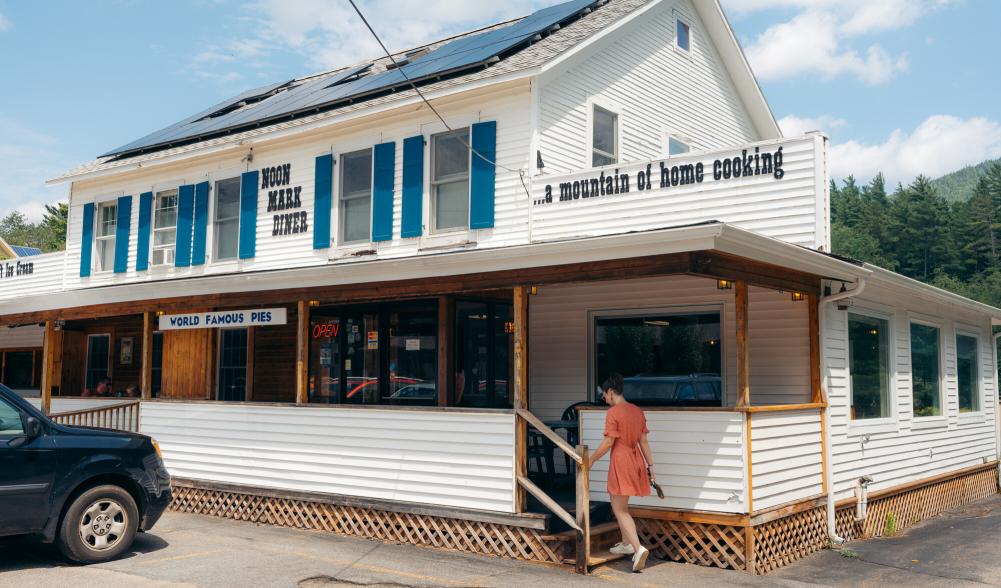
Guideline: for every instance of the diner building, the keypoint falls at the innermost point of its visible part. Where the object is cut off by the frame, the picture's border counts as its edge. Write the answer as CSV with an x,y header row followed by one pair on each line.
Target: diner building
x,y
346,310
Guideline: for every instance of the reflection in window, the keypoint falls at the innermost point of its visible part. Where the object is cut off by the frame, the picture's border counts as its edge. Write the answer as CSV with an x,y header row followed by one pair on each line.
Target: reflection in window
x,y
107,223
665,359
450,180
676,146
869,365
98,359
925,380
968,373
483,354
356,196
19,369
165,227
226,234
413,357
684,38
604,137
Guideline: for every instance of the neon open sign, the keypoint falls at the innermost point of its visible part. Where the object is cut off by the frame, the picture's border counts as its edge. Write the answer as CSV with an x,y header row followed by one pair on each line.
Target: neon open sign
x,y
326,330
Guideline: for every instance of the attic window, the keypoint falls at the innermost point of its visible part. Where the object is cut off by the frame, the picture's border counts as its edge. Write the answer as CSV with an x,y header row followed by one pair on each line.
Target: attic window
x,y
683,37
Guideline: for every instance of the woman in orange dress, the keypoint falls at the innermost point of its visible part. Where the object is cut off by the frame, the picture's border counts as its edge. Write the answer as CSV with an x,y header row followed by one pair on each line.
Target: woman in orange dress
x,y
626,437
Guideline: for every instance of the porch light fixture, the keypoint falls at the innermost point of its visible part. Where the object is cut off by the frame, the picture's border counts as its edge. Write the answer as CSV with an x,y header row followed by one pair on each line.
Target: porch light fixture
x,y
509,327
798,297
159,313
533,290
314,303
724,284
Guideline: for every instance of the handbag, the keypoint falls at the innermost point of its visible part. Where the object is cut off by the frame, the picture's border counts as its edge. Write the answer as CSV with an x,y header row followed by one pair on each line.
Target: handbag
x,y
655,485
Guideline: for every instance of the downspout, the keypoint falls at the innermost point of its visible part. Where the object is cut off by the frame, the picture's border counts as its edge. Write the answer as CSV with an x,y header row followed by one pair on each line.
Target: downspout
x,y
997,409
829,482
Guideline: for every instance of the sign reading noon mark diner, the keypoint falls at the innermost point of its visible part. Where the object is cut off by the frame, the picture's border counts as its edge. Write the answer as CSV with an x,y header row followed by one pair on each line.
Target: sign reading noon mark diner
x,y
258,317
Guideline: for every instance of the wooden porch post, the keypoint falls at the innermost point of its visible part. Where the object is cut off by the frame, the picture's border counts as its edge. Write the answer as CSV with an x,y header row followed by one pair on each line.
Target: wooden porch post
x,y
520,400
48,361
815,375
146,376
743,359
446,358
301,345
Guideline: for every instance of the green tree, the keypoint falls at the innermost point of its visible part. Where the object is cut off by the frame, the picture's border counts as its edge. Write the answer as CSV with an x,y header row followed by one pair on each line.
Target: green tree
x,y
53,226
920,229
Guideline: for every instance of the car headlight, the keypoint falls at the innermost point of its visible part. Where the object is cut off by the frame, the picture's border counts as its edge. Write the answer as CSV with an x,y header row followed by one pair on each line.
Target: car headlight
x,y
156,446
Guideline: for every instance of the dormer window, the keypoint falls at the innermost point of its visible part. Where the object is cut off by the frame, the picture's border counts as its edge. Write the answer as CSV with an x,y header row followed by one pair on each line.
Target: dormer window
x,y
683,37
604,137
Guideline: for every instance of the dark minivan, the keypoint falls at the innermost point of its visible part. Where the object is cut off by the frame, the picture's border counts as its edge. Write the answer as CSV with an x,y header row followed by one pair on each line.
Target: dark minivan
x,y
89,490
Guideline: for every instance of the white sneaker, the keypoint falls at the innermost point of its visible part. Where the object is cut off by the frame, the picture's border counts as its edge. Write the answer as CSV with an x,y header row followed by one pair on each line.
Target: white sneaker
x,y
639,559
622,549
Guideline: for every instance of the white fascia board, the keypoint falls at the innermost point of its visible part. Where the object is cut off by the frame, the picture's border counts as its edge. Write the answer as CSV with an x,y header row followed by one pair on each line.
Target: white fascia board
x,y
739,68
886,278
589,46
349,272
278,135
751,245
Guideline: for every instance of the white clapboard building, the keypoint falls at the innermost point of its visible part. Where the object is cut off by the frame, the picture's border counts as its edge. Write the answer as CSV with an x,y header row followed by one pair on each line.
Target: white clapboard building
x,y
343,312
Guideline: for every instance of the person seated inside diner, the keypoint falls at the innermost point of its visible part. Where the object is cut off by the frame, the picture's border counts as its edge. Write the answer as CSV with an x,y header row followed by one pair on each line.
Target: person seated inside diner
x,y
131,392
103,388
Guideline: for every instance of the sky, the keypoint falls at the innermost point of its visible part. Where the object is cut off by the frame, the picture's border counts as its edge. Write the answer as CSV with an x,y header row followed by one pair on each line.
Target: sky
x,y
904,87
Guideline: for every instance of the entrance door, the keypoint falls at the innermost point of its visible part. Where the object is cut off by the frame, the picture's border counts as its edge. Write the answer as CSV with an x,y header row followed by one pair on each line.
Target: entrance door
x,y
361,357
233,364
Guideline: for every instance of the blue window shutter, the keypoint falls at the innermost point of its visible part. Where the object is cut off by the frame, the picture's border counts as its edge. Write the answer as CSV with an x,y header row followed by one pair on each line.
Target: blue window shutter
x,y
321,201
482,175
142,247
413,186
87,239
248,215
185,216
383,176
201,223
122,226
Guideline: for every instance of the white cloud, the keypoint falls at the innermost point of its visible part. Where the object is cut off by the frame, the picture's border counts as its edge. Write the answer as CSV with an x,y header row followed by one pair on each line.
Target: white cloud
x,y
797,125
939,145
30,158
5,23
824,37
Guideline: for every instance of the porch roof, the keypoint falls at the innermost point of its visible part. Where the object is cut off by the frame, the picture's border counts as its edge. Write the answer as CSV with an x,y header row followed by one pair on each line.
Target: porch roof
x,y
469,268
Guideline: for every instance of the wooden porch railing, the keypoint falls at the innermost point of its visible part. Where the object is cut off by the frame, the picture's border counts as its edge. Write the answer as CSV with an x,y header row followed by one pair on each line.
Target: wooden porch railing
x,y
581,524
123,416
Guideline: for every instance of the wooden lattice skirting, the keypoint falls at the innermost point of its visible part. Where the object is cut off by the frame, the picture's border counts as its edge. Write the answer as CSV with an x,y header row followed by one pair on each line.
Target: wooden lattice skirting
x,y
428,530
891,511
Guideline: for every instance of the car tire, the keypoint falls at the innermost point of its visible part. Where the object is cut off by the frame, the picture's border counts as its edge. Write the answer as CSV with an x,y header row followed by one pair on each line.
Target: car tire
x,y
99,525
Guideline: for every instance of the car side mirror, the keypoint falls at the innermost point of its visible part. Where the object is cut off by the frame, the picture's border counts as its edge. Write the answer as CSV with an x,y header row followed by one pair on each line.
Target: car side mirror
x,y
32,428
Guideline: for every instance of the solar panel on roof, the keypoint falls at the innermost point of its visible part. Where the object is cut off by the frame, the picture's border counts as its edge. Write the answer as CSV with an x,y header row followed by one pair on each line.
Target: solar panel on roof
x,y
22,251
461,54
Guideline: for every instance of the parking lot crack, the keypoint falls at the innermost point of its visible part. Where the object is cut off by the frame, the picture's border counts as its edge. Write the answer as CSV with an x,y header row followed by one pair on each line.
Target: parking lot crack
x,y
923,573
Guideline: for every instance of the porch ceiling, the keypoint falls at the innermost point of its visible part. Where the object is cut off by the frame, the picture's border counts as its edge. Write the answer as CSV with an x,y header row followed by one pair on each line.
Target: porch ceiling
x,y
714,250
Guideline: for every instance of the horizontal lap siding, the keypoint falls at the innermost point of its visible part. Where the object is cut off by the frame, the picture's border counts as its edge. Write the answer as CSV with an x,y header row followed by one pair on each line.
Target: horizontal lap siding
x,y
698,458
779,348
463,460
20,337
910,450
786,451
46,274
657,87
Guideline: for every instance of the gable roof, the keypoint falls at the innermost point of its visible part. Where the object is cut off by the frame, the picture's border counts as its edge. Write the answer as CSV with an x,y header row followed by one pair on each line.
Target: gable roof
x,y
589,19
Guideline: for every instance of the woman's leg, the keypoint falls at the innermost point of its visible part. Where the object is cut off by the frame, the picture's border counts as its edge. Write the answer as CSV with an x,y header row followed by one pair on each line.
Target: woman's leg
x,y
620,507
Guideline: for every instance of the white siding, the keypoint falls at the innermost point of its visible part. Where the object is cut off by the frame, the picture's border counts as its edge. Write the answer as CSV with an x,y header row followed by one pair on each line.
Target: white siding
x,y
786,455
654,87
792,208
20,337
906,449
560,351
46,276
457,459
698,458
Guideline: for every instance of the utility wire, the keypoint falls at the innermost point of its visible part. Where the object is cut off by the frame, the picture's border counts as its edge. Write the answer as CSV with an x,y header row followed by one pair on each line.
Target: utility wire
x,y
520,172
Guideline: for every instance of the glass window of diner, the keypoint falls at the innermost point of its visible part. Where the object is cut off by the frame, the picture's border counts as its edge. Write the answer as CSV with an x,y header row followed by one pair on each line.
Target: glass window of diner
x,y
388,353
665,358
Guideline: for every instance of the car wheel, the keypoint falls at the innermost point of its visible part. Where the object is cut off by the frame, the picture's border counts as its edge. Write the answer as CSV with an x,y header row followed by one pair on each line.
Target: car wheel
x,y
99,525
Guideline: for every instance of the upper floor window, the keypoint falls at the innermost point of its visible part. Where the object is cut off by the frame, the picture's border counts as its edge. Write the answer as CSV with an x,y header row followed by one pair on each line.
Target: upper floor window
x,y
968,373
925,370
226,226
165,227
450,180
869,366
604,137
107,223
676,146
356,196
683,40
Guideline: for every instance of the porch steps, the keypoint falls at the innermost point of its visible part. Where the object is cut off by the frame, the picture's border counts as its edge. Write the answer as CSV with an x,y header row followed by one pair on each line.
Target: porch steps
x,y
603,536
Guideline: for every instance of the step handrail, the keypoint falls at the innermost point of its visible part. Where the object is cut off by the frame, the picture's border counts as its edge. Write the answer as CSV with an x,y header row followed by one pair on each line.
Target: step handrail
x,y
550,434
548,502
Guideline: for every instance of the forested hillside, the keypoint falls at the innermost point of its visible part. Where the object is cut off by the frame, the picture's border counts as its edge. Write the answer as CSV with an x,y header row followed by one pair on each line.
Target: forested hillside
x,y
917,231
959,185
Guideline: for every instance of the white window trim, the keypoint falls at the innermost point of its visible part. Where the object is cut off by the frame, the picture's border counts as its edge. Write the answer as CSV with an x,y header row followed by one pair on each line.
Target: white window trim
x,y
338,249
593,314
980,414
359,244
457,238
613,108
941,419
95,256
456,234
680,19
153,227
887,424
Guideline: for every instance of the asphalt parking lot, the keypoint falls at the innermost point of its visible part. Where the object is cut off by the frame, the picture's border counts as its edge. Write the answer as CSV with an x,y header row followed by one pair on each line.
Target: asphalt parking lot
x,y
956,549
